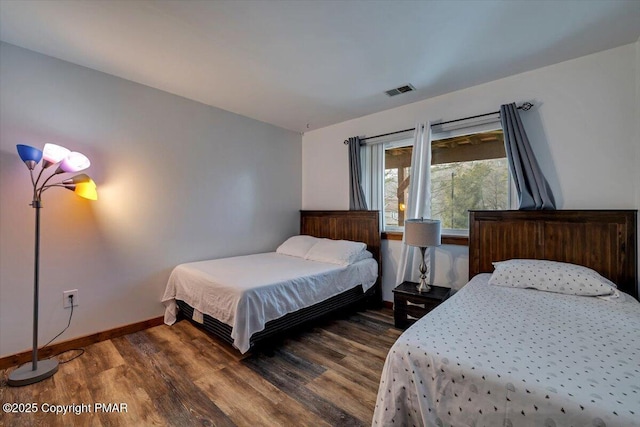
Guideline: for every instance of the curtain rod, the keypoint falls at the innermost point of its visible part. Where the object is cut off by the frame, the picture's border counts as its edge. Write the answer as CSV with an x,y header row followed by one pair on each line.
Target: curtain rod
x,y
526,106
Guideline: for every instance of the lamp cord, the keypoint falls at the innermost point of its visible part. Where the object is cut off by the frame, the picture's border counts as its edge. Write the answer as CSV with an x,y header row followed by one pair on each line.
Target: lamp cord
x,y
81,350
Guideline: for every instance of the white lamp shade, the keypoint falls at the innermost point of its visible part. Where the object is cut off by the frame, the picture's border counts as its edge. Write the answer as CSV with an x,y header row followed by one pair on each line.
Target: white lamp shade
x,y
422,232
74,162
53,153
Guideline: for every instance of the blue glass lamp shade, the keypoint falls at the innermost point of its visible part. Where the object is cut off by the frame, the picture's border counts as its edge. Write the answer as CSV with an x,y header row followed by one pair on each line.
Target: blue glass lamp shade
x,y
30,156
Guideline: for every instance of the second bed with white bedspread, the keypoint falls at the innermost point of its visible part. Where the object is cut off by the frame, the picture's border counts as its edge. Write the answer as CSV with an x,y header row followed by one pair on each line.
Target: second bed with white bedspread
x,y
496,356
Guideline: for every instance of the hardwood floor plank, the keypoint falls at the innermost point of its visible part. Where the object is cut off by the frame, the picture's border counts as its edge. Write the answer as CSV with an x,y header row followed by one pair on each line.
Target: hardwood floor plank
x,y
349,367
350,347
104,356
194,361
384,315
192,406
142,370
353,398
360,334
118,386
186,328
294,386
180,376
170,388
290,364
247,406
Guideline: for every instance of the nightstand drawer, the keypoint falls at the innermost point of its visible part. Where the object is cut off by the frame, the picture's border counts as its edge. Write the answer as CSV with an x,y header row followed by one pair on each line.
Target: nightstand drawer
x,y
409,305
415,310
412,301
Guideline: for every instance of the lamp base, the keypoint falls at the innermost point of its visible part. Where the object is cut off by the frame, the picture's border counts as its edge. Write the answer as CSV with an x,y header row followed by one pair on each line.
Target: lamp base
x,y
25,374
423,286
424,272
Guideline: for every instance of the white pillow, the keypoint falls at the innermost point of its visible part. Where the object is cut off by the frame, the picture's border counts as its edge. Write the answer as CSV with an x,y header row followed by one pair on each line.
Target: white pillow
x,y
550,276
361,256
297,246
342,252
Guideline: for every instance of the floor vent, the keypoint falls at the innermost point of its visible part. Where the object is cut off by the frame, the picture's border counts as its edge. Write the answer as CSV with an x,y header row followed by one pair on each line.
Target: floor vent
x,y
399,90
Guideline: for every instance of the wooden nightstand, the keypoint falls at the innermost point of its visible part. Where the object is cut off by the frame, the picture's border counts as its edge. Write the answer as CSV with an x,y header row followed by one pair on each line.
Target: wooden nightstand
x,y
409,305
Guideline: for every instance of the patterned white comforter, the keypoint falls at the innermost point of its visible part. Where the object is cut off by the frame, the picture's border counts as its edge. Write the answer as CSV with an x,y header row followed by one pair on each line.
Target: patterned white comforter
x,y
495,356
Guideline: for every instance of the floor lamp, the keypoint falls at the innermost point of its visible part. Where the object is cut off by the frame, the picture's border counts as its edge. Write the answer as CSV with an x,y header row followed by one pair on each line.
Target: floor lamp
x,y
83,186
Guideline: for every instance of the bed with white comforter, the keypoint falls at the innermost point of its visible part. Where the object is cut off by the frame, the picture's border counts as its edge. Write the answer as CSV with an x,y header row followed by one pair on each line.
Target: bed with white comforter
x,y
499,356
246,292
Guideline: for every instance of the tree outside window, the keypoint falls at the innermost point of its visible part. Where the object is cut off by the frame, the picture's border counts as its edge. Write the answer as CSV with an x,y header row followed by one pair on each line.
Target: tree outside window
x,y
467,172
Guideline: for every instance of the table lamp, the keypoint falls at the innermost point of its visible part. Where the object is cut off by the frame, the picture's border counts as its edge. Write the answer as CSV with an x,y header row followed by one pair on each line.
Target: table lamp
x,y
422,233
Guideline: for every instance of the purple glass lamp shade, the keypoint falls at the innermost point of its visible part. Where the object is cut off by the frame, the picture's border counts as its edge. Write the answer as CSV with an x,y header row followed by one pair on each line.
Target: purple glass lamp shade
x,y
30,156
53,154
74,162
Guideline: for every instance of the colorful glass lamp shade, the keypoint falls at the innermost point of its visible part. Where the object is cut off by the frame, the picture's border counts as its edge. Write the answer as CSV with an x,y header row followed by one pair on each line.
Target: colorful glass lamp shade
x,y
85,190
30,155
83,186
52,154
74,162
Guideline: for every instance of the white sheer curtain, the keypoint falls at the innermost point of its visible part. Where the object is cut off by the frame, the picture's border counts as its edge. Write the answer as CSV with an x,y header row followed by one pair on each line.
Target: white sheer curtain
x,y
419,201
372,156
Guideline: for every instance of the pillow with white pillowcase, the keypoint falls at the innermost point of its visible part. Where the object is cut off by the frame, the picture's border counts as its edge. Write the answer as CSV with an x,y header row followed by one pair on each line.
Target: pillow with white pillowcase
x,y
361,256
342,252
550,276
297,246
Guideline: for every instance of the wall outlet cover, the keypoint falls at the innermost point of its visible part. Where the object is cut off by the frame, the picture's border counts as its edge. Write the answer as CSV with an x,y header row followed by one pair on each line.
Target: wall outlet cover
x,y
66,302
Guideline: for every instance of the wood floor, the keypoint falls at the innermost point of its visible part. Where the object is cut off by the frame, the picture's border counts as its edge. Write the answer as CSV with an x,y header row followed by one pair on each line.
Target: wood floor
x,y
180,376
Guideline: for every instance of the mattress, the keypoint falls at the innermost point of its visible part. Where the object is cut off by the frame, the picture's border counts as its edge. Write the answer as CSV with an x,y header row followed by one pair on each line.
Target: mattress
x,y
497,356
246,292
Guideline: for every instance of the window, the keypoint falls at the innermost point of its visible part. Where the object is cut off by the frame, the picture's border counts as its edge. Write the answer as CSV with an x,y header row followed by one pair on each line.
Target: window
x,y
467,172
397,169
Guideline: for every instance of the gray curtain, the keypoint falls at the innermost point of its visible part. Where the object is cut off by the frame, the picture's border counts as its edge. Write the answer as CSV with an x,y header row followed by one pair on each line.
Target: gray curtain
x,y
533,190
356,195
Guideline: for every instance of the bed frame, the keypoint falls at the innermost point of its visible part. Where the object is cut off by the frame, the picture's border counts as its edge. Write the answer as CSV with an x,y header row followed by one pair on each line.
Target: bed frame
x,y
361,226
603,240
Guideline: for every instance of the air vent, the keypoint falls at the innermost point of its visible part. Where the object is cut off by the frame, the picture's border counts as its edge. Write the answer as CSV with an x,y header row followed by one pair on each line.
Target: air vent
x,y
401,89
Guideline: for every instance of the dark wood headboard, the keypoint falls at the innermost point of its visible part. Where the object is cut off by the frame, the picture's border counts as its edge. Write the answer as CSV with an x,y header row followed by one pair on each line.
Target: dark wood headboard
x,y
605,241
358,226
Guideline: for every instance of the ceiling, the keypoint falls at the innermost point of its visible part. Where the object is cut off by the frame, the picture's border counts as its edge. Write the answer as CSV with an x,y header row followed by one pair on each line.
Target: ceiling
x,y
304,65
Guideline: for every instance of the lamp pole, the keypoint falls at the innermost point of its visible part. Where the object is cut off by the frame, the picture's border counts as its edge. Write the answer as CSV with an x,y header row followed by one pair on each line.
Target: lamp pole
x,y
37,205
29,374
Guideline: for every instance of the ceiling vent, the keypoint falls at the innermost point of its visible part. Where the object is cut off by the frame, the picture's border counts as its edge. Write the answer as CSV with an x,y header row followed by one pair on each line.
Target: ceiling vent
x,y
401,89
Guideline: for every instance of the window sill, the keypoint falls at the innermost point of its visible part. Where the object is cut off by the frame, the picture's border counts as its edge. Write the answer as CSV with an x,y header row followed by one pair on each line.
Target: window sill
x,y
447,239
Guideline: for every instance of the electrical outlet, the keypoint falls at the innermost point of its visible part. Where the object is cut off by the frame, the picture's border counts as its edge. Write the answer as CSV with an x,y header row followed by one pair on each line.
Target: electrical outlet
x,y
66,302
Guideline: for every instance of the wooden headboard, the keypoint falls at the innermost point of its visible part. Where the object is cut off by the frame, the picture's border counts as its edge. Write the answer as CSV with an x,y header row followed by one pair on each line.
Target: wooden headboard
x,y
605,241
359,226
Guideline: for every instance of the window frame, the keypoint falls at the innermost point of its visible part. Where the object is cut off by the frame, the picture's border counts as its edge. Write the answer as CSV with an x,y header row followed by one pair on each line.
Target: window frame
x,y
449,236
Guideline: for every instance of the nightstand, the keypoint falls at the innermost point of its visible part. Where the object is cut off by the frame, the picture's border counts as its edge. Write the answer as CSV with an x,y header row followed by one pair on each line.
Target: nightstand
x,y
410,305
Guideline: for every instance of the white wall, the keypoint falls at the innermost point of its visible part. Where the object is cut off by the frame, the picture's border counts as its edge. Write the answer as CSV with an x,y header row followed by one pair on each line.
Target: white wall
x,y
178,181
583,132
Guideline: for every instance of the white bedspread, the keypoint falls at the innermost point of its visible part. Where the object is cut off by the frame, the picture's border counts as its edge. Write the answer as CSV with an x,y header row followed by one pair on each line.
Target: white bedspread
x,y
494,356
246,292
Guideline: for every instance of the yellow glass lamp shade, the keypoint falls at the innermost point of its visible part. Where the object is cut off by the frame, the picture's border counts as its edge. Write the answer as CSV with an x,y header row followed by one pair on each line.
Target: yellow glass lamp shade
x,y
87,190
